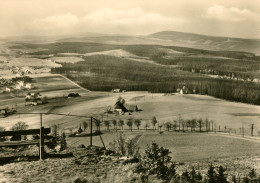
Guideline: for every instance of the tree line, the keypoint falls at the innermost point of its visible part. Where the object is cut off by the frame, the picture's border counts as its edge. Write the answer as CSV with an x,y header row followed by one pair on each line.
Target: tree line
x,y
102,73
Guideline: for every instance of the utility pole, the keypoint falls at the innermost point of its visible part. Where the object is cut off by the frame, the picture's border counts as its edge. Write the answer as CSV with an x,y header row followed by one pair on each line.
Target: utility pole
x,y
41,139
91,118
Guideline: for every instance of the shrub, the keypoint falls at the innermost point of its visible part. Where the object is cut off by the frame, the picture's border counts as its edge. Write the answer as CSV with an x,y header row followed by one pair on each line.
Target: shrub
x,y
125,147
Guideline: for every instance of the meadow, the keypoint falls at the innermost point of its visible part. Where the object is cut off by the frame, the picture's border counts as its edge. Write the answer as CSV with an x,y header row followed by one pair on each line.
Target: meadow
x,y
201,147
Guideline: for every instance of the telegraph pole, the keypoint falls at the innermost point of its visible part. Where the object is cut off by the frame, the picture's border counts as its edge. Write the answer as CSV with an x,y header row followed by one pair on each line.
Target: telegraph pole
x,y
91,118
41,139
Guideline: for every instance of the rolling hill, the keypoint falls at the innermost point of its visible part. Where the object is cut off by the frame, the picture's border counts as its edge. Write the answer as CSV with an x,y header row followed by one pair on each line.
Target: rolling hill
x,y
172,38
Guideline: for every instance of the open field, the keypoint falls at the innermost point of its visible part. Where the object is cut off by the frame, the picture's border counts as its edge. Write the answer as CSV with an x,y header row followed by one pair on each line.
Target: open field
x,y
165,108
195,146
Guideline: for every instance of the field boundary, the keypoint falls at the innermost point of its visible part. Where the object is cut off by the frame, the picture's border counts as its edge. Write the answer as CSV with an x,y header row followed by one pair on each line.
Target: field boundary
x,y
74,83
248,138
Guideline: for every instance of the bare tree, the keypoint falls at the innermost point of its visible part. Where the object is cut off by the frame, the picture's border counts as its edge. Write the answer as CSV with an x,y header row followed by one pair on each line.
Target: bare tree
x,y
20,126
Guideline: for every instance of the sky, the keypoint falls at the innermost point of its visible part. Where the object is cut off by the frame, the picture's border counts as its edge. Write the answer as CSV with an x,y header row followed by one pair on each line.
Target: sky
x,y
230,18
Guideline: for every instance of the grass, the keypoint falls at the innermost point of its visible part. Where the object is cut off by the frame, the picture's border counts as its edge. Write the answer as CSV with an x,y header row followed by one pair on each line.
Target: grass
x,y
194,147
194,150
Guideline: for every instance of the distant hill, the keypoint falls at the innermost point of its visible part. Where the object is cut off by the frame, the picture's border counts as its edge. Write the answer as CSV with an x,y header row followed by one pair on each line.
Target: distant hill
x,y
172,38
164,38
207,42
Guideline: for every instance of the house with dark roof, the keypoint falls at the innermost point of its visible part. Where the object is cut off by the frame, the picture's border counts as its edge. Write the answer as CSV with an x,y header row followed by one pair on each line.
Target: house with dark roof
x,y
122,108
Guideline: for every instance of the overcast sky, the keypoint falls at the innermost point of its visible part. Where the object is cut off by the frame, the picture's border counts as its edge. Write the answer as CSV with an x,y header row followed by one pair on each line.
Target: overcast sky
x,y
232,18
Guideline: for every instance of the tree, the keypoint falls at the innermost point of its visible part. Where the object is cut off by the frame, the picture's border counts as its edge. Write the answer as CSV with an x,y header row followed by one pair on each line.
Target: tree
x,y
80,129
146,125
156,161
63,142
174,125
121,123
97,123
168,125
130,123
154,121
193,175
252,173
221,177
211,175
55,131
193,124
114,123
85,125
107,124
20,126
137,123
207,125
199,122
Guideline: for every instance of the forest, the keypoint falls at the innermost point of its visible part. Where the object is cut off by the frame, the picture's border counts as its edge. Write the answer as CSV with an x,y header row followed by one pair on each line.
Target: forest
x,y
104,73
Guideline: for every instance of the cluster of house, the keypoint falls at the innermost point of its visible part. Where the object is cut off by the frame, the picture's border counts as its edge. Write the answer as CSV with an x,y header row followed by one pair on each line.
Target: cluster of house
x,y
35,99
20,85
21,71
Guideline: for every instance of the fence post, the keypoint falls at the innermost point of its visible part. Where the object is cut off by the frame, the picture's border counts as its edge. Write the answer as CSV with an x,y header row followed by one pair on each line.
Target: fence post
x,y
42,154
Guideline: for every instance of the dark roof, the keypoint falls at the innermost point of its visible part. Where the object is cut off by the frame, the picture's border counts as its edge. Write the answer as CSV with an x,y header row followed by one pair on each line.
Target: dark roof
x,y
119,105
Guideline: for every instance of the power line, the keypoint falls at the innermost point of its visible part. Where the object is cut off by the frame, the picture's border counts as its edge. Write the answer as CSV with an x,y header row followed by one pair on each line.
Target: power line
x,y
61,114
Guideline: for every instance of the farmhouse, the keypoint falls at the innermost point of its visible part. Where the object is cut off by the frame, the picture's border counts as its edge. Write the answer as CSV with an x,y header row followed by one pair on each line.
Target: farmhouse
x,y
122,108
119,107
116,90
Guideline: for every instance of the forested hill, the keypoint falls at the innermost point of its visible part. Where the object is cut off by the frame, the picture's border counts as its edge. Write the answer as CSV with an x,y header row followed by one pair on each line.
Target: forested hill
x,y
208,42
172,38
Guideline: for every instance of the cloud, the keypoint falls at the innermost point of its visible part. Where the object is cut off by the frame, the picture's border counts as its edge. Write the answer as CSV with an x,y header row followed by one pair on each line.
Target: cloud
x,y
59,21
133,16
234,14
105,19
